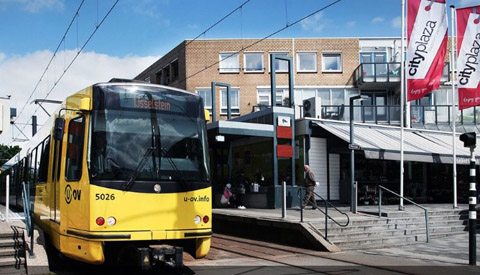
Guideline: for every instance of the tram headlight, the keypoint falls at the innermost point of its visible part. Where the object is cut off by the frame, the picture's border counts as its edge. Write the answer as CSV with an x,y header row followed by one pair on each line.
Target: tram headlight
x,y
100,221
197,219
111,221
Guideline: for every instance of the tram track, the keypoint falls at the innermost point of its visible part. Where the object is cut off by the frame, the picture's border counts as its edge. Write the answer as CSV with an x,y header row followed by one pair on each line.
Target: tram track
x,y
276,254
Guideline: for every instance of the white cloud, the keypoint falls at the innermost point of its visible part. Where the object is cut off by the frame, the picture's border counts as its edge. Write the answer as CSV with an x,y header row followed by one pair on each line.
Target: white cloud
x,y
351,24
315,23
377,20
34,6
20,74
397,22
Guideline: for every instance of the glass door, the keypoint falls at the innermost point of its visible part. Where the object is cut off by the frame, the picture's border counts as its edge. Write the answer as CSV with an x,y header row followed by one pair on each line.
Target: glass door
x,y
375,107
378,66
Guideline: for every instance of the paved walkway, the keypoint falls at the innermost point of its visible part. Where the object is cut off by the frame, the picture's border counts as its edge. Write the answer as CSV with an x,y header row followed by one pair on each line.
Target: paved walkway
x,y
15,220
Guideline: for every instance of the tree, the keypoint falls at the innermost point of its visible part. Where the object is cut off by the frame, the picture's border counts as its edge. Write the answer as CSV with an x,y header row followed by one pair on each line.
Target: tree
x,y
8,152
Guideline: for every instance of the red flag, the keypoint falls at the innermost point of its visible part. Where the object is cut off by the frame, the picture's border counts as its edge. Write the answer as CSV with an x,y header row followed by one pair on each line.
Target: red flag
x,y
468,61
427,36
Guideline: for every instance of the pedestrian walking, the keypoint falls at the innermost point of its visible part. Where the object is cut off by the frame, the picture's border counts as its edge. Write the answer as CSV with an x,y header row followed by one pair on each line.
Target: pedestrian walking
x,y
310,185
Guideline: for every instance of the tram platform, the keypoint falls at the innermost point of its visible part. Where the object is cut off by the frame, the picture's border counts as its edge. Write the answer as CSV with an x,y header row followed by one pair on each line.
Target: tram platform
x,y
15,246
365,229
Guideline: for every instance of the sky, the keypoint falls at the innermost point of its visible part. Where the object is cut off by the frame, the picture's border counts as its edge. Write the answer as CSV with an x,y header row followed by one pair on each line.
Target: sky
x,y
138,32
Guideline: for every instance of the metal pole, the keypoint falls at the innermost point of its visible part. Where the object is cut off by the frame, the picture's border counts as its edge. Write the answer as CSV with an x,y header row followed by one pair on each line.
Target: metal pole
x,y
326,220
454,109
301,204
284,199
379,202
353,204
7,199
402,99
472,213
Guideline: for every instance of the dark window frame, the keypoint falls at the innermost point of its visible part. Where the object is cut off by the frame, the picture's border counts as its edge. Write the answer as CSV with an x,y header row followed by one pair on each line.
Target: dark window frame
x,y
44,161
80,144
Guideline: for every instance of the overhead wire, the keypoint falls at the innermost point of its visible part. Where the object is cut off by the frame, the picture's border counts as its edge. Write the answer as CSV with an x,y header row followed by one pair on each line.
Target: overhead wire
x,y
218,22
50,62
262,39
78,53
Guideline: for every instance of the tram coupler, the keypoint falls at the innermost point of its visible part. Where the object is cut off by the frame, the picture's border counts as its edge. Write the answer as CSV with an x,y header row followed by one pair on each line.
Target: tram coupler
x,y
168,255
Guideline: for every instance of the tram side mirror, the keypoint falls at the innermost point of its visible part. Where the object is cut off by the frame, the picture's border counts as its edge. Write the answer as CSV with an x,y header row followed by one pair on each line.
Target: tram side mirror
x,y
59,128
469,139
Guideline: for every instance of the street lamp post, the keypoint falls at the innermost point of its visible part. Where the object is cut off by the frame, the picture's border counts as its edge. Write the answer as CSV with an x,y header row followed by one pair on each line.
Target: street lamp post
x,y
352,147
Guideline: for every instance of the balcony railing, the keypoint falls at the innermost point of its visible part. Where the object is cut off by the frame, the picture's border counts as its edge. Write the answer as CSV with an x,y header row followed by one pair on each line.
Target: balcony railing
x,y
382,72
390,114
386,73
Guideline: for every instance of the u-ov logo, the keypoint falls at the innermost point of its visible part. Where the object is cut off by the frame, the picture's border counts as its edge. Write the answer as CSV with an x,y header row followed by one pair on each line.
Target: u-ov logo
x,y
68,194
71,194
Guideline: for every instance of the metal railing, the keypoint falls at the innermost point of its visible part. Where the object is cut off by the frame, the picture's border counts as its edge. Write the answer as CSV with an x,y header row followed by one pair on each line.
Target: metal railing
x,y
28,215
380,207
301,195
385,72
377,72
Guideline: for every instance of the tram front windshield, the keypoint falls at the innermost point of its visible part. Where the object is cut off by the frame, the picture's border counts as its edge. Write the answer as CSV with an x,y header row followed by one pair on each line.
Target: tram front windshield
x,y
157,134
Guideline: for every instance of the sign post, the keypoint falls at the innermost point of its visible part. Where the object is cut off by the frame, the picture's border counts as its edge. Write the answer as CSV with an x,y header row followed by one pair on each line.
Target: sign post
x,y
469,140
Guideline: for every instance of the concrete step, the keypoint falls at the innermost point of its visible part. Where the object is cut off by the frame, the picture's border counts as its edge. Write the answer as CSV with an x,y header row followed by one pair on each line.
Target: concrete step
x,y
355,244
9,251
9,243
13,271
12,262
337,236
362,227
375,221
397,214
10,235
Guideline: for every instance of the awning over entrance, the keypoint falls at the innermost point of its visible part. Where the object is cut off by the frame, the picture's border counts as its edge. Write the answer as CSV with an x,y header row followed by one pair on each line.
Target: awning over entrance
x,y
383,142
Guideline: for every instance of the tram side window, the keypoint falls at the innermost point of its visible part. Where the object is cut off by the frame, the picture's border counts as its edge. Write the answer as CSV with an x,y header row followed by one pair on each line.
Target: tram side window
x,y
43,165
73,167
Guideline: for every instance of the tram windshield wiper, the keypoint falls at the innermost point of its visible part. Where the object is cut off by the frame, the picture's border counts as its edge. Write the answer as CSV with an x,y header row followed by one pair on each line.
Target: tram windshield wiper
x,y
140,165
172,163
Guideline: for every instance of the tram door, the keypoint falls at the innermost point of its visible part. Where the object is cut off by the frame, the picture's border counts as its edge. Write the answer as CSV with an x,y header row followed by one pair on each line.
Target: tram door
x,y
55,201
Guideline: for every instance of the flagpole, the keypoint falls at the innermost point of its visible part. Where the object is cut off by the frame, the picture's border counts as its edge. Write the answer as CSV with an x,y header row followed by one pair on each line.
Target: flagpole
x,y
402,102
454,109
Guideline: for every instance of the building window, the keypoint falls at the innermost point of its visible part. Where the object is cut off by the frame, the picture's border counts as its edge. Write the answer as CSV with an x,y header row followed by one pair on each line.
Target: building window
x,y
281,66
174,69
235,101
229,63
158,77
253,62
206,95
264,97
148,80
307,62
166,75
73,166
331,62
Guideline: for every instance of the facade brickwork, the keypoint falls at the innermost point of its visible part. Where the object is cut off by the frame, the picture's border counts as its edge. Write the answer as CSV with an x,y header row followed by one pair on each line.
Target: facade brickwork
x,y
199,65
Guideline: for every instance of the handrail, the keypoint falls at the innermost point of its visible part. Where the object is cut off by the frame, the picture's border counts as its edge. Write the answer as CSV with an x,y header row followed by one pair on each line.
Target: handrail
x,y
28,216
412,202
327,203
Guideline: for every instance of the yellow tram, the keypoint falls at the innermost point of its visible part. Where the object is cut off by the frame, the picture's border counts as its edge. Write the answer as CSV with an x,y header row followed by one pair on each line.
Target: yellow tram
x,y
121,170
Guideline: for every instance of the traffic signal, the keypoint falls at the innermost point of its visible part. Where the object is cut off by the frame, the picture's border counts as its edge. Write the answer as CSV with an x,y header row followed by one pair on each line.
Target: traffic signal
x,y
469,139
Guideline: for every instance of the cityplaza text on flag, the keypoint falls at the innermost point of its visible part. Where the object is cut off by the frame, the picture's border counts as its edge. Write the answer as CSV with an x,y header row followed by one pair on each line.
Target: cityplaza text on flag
x,y
468,61
427,29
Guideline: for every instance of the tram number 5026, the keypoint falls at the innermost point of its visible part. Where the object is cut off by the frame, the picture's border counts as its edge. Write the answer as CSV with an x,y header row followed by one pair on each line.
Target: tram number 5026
x,y
104,197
